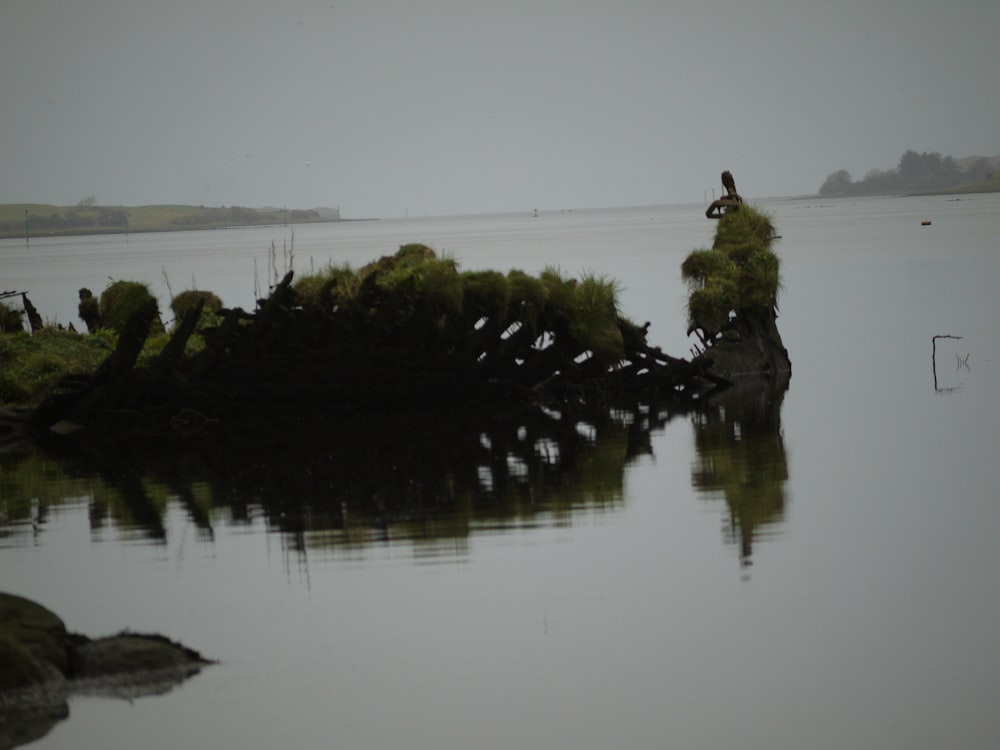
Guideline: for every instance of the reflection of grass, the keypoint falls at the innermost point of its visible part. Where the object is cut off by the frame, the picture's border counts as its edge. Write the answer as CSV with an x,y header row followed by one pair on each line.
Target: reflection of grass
x,y
741,457
418,478
34,485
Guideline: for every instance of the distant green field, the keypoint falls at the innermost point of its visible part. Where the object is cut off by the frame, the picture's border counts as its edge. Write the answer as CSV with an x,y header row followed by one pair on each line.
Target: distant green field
x,y
46,220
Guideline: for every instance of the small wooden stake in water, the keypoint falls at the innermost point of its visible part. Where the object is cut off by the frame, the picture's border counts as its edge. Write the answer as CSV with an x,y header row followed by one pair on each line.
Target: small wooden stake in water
x,y
934,359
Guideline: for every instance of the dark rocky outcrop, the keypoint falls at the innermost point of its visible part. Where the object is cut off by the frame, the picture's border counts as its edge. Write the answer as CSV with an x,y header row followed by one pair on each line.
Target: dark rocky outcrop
x,y
36,639
41,665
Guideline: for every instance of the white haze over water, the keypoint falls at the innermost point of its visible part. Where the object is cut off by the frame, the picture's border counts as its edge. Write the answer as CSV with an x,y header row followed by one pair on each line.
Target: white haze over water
x,y
395,107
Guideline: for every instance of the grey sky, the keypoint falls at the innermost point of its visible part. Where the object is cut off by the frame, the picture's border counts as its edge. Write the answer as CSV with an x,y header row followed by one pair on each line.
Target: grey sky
x,y
457,106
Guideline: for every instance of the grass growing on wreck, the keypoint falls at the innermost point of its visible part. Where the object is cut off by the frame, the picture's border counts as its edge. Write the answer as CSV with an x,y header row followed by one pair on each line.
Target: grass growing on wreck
x,y
591,307
411,303
186,300
740,273
31,365
417,289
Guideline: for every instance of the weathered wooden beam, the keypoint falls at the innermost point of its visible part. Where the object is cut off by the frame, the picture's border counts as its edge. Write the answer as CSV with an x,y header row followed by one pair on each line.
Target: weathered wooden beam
x,y
174,349
130,342
33,317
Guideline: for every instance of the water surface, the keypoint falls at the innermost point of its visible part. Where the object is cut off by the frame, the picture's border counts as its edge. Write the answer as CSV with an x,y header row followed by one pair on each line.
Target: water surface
x,y
811,567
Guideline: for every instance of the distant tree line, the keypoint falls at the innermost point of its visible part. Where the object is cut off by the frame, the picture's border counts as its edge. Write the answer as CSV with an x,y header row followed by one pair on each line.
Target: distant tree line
x,y
238,215
89,217
916,172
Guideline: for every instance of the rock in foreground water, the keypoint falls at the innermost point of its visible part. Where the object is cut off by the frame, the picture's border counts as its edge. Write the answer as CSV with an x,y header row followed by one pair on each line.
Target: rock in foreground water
x,y
42,664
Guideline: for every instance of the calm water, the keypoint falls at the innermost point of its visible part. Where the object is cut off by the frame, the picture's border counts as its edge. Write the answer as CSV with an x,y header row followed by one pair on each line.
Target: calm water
x,y
810,568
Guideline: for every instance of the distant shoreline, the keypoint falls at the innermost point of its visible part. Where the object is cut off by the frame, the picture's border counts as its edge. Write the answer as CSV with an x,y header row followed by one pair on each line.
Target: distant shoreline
x,y
35,220
112,231
181,218
115,231
954,191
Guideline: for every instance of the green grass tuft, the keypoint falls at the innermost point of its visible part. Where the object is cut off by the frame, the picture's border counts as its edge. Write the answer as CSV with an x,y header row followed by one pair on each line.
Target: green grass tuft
x,y
530,296
184,301
120,300
596,320
32,365
739,273
746,225
486,293
702,265
11,320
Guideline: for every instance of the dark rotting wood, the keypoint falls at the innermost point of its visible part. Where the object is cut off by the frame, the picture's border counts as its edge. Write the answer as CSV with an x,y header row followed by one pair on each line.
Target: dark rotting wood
x,y
218,341
33,317
174,350
121,361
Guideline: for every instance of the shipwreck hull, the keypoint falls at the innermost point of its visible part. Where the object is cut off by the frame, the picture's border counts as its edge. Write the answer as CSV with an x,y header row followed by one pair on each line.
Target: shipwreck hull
x,y
410,330
286,362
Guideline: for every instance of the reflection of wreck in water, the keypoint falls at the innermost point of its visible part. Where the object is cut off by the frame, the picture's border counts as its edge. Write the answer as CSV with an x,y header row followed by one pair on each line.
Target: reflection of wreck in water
x,y
741,456
426,479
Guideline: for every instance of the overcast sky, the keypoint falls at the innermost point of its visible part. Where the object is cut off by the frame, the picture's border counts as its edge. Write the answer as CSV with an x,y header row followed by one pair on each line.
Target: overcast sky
x,y
430,107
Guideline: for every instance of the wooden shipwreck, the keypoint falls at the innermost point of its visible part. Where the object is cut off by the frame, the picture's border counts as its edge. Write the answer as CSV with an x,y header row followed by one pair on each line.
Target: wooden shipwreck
x,y
412,330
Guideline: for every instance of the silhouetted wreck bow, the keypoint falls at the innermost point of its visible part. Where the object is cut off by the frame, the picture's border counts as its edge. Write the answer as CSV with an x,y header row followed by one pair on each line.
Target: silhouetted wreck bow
x,y
411,330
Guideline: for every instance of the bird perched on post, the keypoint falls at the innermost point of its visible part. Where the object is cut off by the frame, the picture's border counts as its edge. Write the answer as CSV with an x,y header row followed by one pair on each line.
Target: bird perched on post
x,y
729,202
730,185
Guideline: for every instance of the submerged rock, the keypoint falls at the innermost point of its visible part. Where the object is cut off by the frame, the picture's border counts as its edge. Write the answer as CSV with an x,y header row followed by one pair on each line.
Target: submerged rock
x,y
130,657
35,638
41,665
